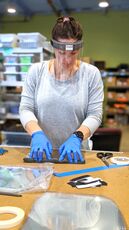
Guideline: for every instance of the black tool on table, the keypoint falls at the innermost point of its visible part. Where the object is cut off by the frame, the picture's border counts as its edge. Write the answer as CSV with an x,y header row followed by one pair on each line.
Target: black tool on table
x,y
10,194
86,181
104,156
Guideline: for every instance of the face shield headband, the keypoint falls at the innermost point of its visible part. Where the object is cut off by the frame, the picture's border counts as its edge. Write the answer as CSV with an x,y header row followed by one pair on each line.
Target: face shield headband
x,y
67,46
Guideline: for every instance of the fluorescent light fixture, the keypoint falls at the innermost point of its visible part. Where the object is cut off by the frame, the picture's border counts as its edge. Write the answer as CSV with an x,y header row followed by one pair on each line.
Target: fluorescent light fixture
x,y
103,4
11,10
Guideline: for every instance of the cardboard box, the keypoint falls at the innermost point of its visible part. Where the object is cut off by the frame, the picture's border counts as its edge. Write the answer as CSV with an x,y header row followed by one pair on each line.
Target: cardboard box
x,y
111,81
122,82
111,95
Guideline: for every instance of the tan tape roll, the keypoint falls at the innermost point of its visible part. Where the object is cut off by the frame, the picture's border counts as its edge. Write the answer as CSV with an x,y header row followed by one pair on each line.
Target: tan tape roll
x,y
4,224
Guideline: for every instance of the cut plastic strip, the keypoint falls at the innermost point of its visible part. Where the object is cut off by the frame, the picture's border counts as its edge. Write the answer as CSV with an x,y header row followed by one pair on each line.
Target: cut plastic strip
x,y
87,170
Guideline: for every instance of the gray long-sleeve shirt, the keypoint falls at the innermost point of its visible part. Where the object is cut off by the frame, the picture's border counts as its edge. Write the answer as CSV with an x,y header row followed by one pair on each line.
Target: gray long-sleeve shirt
x,y
60,107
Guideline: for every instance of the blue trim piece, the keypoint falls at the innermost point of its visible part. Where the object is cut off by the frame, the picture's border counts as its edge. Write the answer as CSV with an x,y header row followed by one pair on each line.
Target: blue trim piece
x,y
87,170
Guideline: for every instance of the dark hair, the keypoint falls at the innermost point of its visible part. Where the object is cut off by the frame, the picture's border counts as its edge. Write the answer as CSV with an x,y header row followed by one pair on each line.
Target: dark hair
x,y
67,27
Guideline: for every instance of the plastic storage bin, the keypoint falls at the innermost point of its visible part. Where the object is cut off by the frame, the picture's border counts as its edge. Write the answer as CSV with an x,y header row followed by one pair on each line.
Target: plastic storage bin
x,y
14,109
11,59
23,76
31,40
25,68
11,68
12,77
8,40
26,59
16,138
3,112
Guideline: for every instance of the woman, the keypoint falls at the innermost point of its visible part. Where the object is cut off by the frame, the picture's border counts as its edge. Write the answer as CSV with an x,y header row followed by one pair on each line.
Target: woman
x,y
61,103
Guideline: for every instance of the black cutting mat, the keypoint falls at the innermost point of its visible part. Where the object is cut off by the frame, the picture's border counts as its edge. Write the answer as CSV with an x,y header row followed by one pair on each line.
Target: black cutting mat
x,y
55,159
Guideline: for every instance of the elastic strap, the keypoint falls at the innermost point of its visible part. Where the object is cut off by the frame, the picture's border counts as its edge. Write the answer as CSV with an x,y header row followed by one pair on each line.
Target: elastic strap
x,y
67,46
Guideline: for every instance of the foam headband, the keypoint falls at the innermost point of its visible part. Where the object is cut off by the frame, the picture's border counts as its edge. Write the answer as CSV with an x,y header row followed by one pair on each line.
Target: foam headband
x,y
67,46
5,224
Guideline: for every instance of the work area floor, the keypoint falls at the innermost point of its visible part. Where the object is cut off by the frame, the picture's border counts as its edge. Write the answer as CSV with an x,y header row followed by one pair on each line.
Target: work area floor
x,y
124,145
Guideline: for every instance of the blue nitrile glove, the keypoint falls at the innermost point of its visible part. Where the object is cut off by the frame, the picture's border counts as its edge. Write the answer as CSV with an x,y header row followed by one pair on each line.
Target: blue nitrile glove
x,y
2,151
40,144
71,149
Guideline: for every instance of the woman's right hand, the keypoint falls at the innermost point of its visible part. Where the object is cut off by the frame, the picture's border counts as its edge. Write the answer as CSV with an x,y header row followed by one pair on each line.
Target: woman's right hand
x,y
40,145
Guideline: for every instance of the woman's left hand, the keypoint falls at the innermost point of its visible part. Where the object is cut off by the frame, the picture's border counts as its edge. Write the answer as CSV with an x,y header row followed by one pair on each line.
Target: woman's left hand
x,y
71,149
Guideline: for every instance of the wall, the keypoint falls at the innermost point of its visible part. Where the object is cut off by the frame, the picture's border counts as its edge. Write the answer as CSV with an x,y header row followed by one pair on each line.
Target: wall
x,y
106,35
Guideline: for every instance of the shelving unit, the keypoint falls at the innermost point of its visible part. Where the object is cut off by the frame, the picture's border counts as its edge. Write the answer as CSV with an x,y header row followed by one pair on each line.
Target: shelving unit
x,y
117,98
16,64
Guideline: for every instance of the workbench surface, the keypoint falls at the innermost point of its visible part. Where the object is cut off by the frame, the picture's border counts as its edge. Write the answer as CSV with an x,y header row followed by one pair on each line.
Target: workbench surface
x,y
117,179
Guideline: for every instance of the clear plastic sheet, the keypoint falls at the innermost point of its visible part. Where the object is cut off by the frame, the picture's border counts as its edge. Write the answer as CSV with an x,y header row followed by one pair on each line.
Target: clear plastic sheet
x,y
25,179
57,211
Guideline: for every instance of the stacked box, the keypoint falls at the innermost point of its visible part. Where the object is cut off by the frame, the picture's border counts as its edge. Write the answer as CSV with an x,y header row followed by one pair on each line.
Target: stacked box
x,y
31,40
111,81
8,40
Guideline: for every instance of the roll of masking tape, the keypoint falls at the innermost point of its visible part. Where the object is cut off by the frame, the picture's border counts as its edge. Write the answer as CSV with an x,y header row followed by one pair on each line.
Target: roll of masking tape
x,y
120,160
5,224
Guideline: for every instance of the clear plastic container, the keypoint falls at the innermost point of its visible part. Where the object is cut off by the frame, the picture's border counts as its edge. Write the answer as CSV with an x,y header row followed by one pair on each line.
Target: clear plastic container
x,y
23,76
8,40
10,59
12,77
15,138
58,211
31,40
24,68
26,59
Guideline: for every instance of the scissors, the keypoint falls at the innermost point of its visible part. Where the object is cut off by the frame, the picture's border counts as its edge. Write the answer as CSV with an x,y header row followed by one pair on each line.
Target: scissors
x,y
104,156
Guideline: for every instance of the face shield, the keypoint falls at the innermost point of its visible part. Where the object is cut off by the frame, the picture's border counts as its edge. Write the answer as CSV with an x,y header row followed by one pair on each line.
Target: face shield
x,y
67,53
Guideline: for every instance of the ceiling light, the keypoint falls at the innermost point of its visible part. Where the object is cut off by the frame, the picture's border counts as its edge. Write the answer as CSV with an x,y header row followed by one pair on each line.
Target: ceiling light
x,y
11,9
103,4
